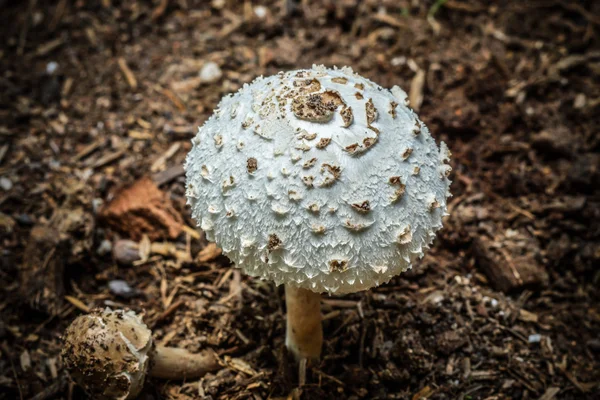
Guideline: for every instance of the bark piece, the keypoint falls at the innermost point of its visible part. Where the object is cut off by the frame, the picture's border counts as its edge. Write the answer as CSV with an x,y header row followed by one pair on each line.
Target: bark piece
x,y
509,261
450,341
65,240
42,271
143,209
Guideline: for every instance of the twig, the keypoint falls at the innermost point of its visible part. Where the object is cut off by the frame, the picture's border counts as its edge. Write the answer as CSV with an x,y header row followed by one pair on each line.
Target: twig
x,y
362,345
168,311
171,96
129,76
58,13
12,366
331,378
415,95
25,30
108,158
166,176
78,303
160,9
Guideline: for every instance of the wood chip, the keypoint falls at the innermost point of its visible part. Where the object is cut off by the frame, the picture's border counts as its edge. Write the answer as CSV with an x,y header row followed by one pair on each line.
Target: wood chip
x,y
160,162
129,76
510,262
78,303
550,393
415,95
209,253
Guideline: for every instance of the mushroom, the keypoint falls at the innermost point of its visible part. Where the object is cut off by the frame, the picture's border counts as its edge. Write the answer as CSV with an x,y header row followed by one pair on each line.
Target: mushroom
x,y
109,353
364,215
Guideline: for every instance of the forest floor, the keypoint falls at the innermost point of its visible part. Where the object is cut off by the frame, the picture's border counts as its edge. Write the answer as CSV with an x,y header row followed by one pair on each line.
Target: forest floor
x,y
97,96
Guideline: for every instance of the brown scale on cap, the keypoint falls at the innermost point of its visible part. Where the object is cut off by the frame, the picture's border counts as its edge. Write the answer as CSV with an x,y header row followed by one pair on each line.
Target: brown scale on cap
x,y
417,128
218,141
338,265
351,148
392,111
401,188
308,164
355,148
363,207
374,129
347,116
407,153
405,235
274,243
308,85
371,112
318,229
294,195
368,142
334,171
359,86
247,123
358,96
228,183
354,227
314,208
251,165
204,171
303,146
433,205
324,142
316,107
308,180
305,135
340,80
395,180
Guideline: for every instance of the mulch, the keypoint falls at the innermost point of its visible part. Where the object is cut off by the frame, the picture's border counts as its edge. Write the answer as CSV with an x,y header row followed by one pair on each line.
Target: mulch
x,y
101,98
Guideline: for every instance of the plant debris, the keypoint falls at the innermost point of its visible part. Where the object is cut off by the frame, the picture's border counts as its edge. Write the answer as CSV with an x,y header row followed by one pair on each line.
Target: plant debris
x,y
96,96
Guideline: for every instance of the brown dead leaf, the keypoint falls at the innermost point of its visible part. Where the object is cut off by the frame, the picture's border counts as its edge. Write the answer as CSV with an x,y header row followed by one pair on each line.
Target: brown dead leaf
x,y
143,209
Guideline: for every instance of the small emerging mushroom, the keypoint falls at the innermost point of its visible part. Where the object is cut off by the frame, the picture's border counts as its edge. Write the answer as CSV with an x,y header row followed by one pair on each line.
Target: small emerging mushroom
x,y
363,217
110,352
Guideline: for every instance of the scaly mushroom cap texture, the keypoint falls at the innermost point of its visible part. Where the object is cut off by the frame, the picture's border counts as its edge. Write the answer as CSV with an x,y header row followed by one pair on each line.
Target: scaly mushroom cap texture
x,y
319,179
107,353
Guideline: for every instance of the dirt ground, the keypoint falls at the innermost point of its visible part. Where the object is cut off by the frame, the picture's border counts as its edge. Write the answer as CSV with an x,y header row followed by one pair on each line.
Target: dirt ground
x,y
97,95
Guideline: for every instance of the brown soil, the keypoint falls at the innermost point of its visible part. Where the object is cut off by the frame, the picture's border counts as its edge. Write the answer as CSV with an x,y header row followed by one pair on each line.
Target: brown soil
x,y
506,305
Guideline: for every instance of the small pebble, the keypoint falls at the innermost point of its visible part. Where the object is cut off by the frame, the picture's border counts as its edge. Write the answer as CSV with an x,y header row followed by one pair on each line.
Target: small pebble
x,y
210,72
6,184
51,67
260,11
96,204
24,219
121,288
104,248
126,252
535,338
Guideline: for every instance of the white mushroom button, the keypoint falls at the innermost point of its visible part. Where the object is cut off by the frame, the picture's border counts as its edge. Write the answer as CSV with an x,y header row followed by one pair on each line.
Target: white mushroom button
x,y
338,142
109,353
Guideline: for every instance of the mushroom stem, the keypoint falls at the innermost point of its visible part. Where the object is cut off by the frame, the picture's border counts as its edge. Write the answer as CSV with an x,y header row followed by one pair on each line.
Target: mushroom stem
x,y
304,335
174,363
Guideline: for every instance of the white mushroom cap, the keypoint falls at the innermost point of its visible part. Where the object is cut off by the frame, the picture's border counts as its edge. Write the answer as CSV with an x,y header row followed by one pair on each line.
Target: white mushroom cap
x,y
319,179
107,353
